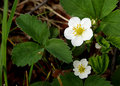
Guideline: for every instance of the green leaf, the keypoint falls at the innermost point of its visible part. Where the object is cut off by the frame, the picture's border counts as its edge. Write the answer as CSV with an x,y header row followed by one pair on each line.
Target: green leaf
x,y
115,41
78,8
99,63
59,49
40,84
54,32
96,81
108,7
33,27
103,7
105,63
97,8
26,53
111,24
68,80
94,63
116,77
104,43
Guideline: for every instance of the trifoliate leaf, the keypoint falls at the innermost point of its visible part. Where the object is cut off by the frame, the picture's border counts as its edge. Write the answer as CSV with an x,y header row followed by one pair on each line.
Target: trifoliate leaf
x,y
33,27
26,53
99,63
40,84
59,49
116,77
115,41
96,81
111,24
68,80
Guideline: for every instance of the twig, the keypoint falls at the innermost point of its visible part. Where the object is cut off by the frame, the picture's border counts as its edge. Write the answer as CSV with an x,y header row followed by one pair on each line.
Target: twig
x,y
56,25
53,66
37,7
23,2
41,69
58,77
113,61
55,21
59,80
49,8
26,73
48,76
51,21
10,11
11,42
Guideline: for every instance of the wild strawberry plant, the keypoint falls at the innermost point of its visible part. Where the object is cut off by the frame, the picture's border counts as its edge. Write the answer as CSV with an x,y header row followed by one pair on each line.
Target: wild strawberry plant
x,y
92,23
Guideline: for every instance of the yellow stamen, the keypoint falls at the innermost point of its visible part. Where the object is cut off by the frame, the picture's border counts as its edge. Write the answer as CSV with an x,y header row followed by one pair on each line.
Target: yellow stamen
x,y
78,30
81,68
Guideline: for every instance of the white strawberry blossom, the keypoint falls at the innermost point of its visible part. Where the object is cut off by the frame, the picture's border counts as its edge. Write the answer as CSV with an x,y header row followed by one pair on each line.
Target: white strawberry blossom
x,y
81,68
78,30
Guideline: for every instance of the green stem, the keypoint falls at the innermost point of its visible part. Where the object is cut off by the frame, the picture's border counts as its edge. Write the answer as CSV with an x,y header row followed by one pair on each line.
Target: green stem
x,y
4,39
5,31
5,76
11,16
0,68
30,73
0,71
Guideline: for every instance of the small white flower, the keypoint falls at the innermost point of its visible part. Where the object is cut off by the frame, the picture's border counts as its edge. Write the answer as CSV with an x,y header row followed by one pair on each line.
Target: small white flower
x,y
81,68
97,46
78,30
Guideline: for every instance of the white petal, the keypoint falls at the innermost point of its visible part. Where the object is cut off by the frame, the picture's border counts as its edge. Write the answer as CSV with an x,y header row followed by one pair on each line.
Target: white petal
x,y
68,33
84,62
88,70
77,41
76,63
86,23
73,21
83,75
76,72
87,34
88,67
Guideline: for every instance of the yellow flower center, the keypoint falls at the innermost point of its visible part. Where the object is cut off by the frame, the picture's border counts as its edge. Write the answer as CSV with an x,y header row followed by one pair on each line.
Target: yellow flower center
x,y
81,68
78,30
